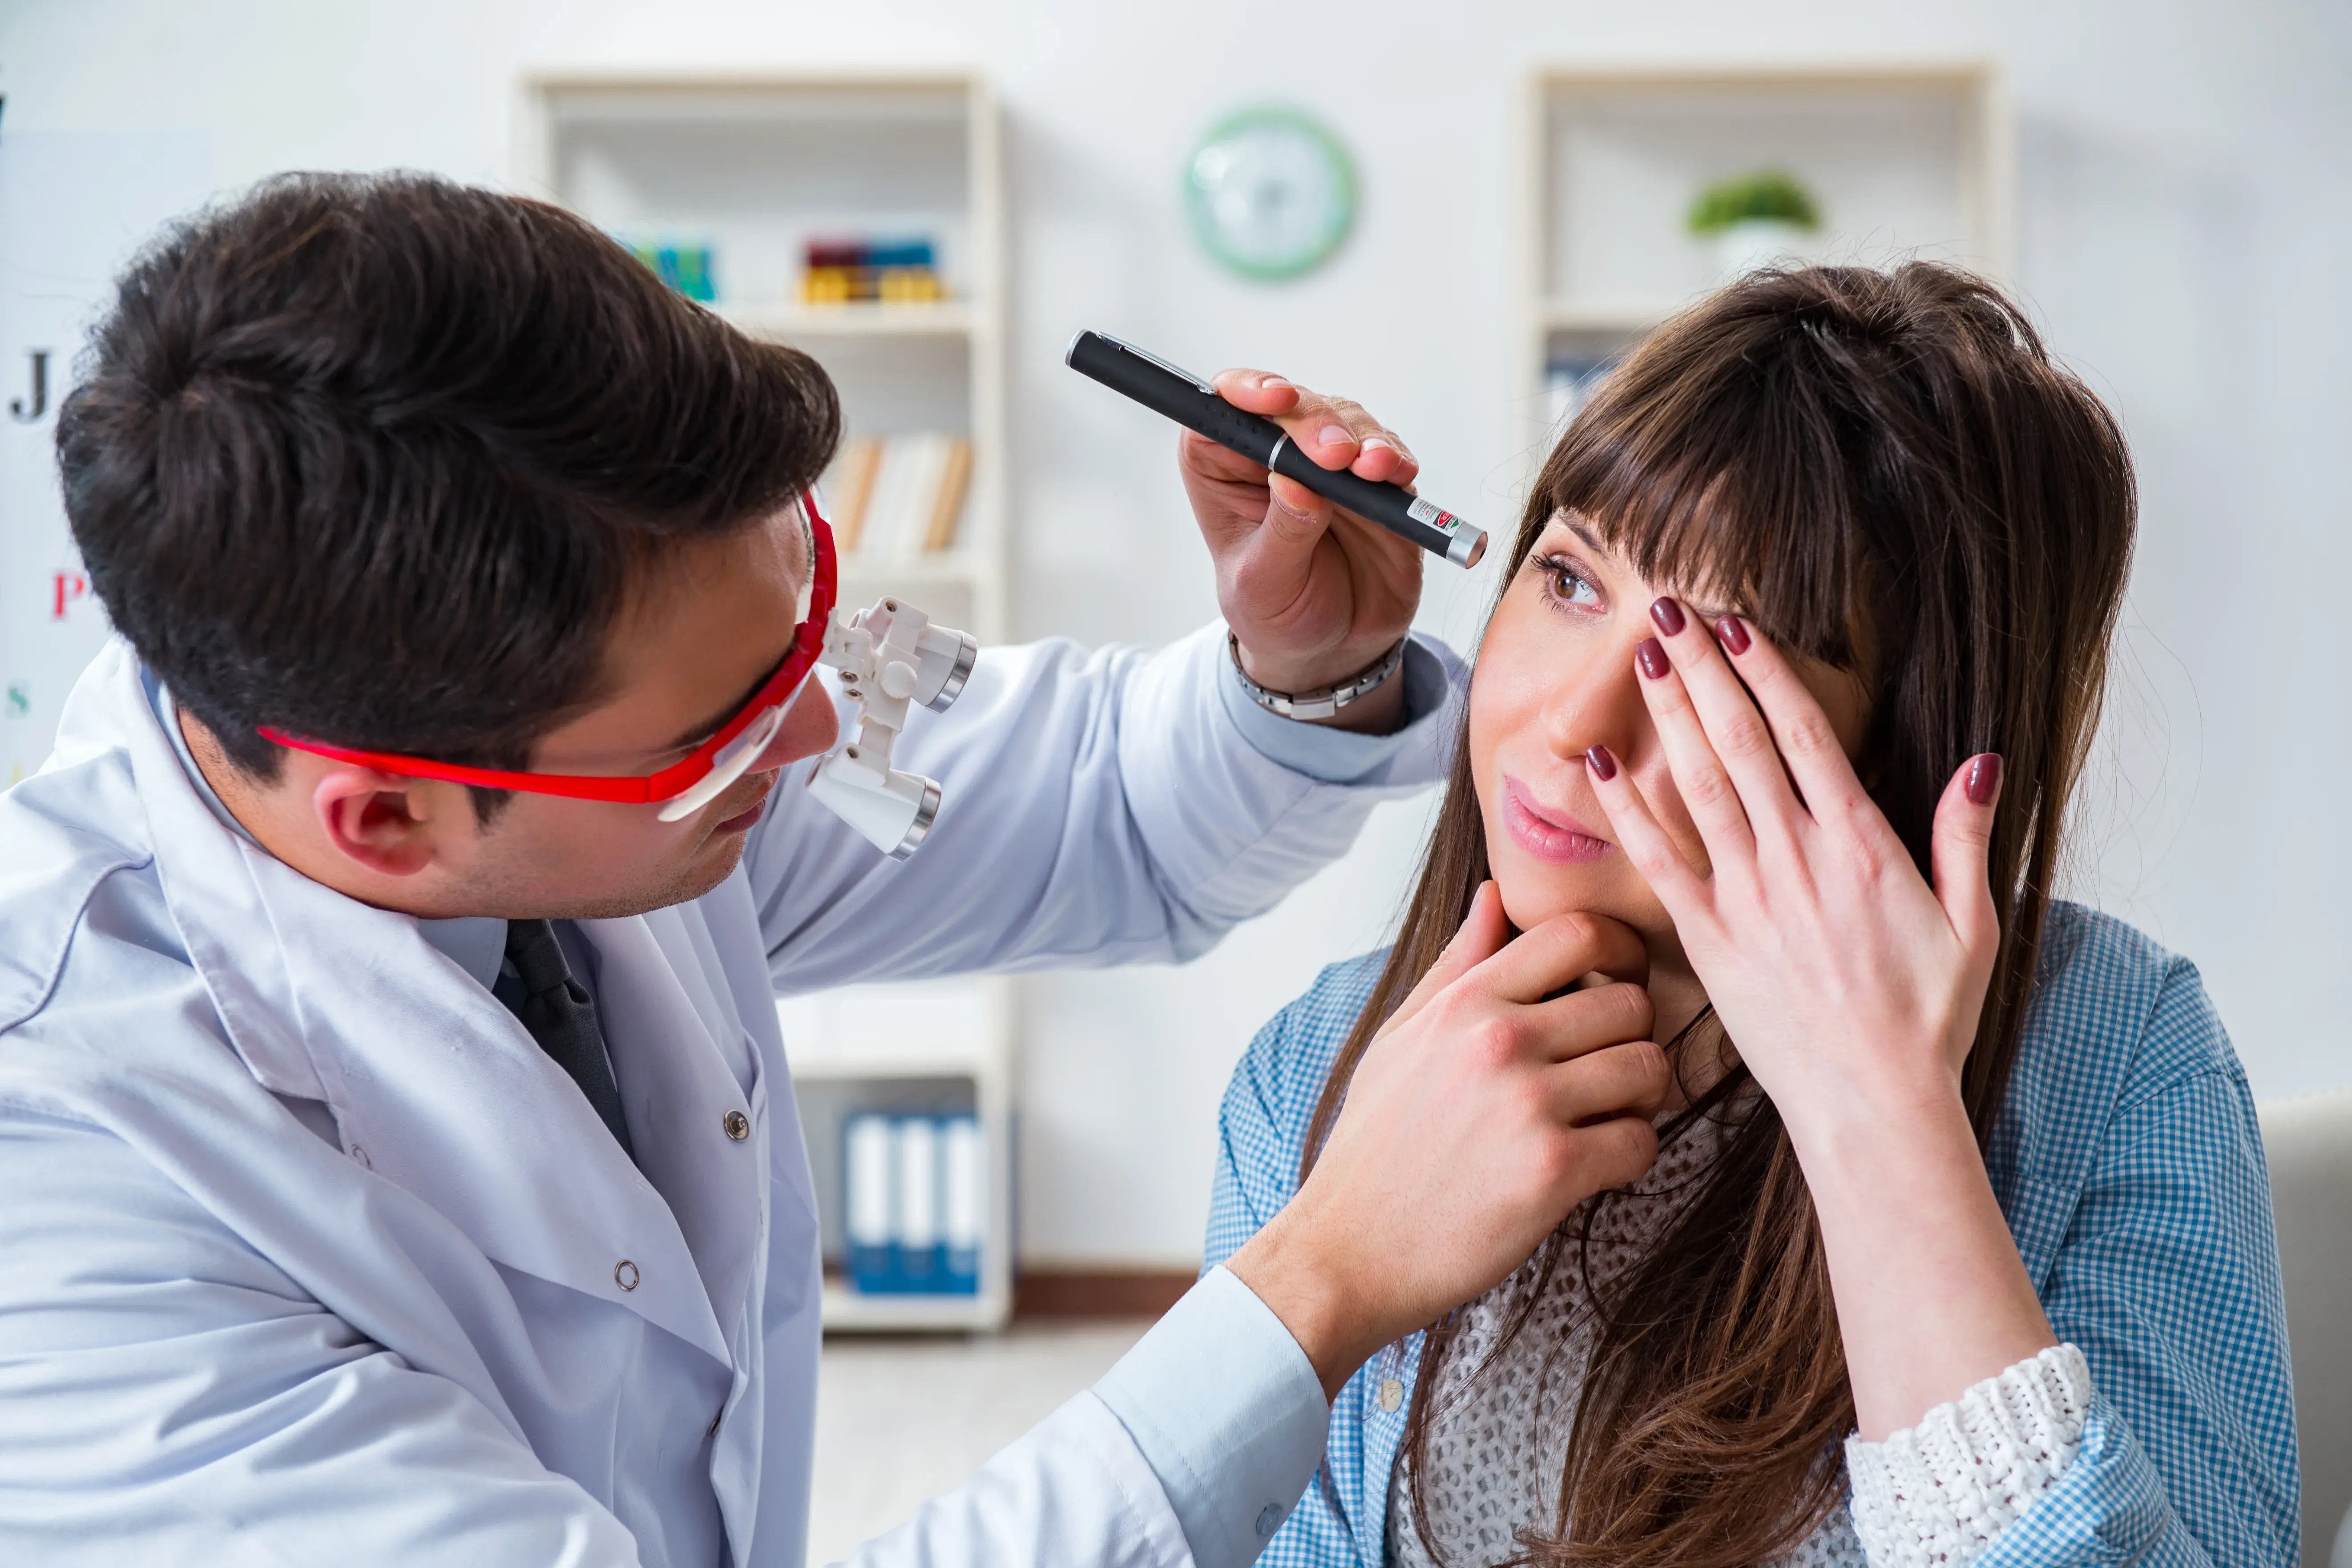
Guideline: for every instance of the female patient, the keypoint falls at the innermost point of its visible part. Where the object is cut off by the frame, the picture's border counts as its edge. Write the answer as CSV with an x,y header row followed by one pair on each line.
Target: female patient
x,y
1957,1245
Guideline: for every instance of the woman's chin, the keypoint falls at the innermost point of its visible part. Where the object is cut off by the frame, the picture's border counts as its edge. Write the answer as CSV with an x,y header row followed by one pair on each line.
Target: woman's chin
x,y
1534,891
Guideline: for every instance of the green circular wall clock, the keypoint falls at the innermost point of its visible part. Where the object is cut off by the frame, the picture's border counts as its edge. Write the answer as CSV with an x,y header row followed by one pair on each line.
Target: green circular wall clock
x,y
1271,192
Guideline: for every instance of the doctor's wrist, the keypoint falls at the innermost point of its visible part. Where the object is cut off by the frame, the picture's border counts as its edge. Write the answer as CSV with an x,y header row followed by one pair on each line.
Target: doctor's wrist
x,y
1342,690
1316,1295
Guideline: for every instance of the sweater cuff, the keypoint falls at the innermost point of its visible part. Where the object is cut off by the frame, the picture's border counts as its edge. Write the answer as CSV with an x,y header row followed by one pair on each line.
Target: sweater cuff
x,y
1943,1491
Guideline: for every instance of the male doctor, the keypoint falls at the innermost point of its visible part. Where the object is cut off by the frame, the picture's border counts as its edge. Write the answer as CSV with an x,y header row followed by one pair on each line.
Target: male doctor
x,y
398,1162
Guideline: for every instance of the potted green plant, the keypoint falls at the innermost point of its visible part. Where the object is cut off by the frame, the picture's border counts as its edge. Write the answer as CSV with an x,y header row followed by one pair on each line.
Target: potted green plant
x,y
1754,220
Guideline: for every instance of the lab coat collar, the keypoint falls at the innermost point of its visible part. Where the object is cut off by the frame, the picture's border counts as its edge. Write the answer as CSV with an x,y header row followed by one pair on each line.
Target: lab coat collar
x,y
433,1083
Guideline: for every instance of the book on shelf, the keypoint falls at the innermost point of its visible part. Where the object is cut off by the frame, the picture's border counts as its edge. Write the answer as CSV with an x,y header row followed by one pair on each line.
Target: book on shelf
x,y
692,270
846,271
897,499
914,1204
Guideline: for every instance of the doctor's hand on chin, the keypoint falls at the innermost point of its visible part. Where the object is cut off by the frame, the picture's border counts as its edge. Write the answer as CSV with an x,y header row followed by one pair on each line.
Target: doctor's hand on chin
x,y
1314,594
1492,1103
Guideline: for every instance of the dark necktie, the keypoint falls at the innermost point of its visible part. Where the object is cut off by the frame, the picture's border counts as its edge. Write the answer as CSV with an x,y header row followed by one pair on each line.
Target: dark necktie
x,y
561,1016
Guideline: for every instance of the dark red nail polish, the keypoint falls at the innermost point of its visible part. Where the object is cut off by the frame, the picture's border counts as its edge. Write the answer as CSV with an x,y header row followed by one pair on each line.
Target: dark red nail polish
x,y
1652,656
1732,633
1984,778
1669,617
1603,765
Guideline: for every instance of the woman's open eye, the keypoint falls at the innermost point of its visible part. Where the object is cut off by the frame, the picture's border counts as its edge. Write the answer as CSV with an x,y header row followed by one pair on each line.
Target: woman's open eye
x,y
1565,582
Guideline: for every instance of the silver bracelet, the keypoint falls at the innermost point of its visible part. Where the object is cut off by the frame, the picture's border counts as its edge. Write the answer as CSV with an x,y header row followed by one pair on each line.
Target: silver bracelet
x,y
1320,704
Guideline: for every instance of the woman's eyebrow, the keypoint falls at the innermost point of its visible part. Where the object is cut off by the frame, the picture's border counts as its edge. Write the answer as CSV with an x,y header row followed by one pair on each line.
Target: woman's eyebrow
x,y
1592,541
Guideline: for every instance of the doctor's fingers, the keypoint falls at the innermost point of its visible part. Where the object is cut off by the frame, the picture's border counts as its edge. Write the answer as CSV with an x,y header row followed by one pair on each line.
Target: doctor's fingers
x,y
1562,1029
1553,954
1482,934
1334,432
1627,1079
1595,1155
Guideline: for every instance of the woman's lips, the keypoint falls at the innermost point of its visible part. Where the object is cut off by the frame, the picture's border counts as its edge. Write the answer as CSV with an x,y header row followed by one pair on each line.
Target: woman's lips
x,y
1545,833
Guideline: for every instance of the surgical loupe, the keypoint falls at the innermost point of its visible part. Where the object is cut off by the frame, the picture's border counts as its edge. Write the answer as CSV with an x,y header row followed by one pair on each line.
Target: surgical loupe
x,y
888,657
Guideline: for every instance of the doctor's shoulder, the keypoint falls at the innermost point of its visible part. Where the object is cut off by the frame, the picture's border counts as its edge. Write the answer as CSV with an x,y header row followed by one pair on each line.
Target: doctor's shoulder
x,y
95,979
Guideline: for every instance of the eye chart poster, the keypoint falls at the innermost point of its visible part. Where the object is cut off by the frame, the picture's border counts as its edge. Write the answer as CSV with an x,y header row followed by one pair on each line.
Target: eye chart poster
x,y
74,206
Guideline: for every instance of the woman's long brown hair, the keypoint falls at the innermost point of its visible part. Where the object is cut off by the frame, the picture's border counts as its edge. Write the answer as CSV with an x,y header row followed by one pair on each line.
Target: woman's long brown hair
x,y
1889,474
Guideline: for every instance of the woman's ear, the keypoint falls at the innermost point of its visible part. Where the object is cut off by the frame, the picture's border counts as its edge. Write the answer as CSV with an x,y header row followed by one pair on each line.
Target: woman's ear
x,y
375,820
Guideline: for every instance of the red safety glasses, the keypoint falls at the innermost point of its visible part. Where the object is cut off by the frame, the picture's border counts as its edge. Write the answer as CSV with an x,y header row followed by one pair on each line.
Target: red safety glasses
x,y
685,786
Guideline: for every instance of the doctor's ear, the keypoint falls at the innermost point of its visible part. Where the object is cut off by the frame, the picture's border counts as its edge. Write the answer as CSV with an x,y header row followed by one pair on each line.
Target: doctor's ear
x,y
385,822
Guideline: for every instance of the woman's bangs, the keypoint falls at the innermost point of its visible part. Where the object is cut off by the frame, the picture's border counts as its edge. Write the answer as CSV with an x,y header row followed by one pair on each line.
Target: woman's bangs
x,y
1700,489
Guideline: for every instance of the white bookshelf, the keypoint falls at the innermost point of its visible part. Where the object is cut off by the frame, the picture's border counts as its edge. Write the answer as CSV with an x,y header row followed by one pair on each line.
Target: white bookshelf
x,y
939,1046
1905,160
753,167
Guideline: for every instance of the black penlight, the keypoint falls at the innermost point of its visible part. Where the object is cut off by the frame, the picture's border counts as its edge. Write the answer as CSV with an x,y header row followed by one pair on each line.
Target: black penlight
x,y
1181,396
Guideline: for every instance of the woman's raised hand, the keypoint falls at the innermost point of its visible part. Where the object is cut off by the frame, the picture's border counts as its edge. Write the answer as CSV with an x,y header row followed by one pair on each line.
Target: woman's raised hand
x,y
1852,989
1486,1108
1847,983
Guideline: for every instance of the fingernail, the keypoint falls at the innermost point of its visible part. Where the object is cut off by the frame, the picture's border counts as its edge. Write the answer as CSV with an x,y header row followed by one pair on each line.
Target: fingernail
x,y
1669,617
1984,778
1732,633
1603,765
1379,441
1335,436
1652,657
1272,383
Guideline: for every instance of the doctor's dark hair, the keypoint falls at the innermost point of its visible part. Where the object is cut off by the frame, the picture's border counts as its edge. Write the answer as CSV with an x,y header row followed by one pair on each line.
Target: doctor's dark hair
x,y
1887,472
372,459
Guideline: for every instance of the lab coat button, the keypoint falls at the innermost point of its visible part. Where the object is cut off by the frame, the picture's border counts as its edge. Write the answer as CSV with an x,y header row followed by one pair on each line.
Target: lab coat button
x,y
625,1275
1391,1395
1268,1517
738,1125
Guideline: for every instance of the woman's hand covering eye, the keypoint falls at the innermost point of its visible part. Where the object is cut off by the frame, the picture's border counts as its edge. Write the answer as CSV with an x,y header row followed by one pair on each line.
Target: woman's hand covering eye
x,y
1836,969
1850,988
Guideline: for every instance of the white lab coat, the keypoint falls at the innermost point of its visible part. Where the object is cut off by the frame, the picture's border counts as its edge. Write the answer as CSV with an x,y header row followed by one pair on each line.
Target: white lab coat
x,y
309,1254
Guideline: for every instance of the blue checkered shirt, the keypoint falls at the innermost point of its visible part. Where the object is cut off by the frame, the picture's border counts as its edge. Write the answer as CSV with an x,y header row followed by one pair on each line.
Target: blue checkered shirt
x,y
2128,1162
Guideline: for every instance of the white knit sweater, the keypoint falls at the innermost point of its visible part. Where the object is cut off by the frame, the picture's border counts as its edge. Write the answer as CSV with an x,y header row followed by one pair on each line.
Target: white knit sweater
x,y
1939,1493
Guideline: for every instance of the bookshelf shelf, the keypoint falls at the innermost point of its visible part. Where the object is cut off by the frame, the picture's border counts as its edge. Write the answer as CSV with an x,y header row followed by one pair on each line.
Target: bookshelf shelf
x,y
903,1058
758,175
923,1048
1904,158
848,1311
1622,315
792,324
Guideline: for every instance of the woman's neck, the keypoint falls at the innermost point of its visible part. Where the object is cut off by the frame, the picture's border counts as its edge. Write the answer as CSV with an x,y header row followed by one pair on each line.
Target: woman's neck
x,y
1676,998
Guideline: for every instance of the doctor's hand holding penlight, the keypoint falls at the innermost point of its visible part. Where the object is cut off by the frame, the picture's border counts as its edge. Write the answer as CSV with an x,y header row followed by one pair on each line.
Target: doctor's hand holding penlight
x,y
1318,601
1318,596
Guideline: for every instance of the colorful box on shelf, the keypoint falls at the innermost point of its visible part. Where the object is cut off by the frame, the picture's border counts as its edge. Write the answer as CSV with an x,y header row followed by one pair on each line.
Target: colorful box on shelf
x,y
688,269
850,271
915,1201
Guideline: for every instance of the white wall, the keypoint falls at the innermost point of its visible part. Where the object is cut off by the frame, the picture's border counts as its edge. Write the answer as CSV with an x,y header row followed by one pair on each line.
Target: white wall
x,y
2186,219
